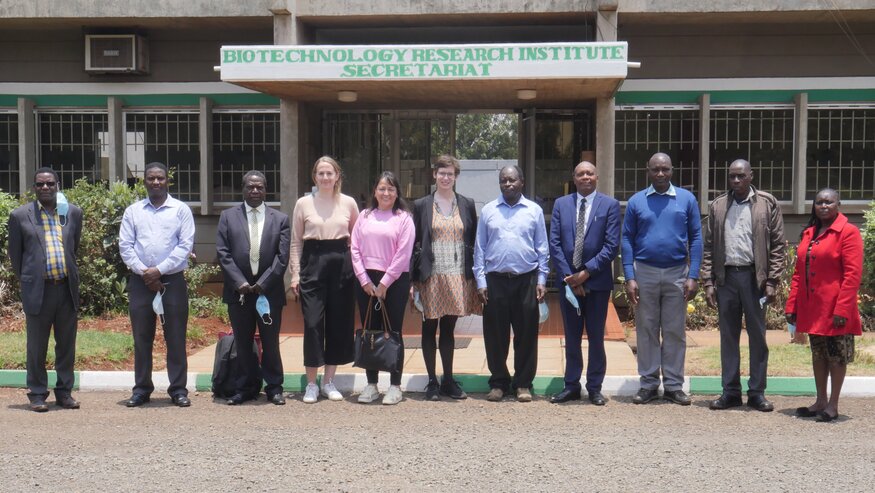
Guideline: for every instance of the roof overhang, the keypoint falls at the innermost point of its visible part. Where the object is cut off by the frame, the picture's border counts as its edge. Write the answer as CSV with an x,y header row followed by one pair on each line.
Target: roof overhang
x,y
428,76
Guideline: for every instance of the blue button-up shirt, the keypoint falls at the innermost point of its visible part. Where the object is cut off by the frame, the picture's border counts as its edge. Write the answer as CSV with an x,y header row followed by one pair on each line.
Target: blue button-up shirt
x,y
156,237
511,239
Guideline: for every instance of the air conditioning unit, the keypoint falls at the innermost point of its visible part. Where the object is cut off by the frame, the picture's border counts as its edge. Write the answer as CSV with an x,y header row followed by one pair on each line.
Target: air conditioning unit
x,y
116,54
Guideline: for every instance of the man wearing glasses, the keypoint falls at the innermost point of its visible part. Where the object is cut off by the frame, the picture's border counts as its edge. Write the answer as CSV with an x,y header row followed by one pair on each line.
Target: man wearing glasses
x,y
43,241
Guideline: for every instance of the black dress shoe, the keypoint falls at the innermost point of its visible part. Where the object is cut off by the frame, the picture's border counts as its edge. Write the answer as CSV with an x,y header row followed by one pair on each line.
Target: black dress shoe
x,y
824,417
452,389
760,403
39,406
804,412
137,400
597,398
565,396
181,400
277,399
236,400
677,396
725,401
645,395
67,402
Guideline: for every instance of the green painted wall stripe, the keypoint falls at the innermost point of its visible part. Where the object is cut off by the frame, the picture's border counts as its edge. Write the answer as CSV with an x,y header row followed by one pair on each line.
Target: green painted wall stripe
x,y
725,97
18,379
775,385
99,101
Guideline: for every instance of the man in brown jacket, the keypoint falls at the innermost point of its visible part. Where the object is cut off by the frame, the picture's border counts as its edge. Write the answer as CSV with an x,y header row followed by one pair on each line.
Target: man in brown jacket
x,y
743,258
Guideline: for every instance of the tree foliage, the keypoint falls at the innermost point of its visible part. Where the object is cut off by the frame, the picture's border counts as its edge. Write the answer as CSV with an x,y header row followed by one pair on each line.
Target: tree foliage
x,y
486,136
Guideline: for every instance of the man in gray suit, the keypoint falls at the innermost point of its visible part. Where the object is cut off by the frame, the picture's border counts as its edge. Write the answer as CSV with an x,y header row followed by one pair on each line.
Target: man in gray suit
x,y
252,246
43,241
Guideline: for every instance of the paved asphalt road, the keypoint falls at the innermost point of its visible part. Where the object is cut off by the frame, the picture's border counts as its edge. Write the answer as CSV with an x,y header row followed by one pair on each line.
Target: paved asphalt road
x,y
423,446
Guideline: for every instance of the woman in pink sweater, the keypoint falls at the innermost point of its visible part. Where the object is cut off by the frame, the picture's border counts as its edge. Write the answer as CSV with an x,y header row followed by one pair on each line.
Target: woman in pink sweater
x,y
381,246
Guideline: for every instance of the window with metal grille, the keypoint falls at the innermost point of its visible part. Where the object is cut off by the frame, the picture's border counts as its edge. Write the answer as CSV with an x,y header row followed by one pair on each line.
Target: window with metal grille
x,y
642,132
168,138
764,137
74,145
841,152
9,153
244,141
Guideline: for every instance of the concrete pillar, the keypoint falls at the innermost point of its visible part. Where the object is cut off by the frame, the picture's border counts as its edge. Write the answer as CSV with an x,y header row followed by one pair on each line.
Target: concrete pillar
x,y
605,121
26,144
704,151
205,146
116,171
800,152
531,123
287,31
605,130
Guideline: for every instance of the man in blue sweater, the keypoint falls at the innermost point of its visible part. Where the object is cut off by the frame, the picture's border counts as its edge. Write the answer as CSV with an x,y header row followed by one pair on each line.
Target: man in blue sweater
x,y
662,252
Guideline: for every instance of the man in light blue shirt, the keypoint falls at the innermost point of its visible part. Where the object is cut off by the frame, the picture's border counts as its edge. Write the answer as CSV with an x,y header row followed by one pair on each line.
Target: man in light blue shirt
x,y
510,266
155,240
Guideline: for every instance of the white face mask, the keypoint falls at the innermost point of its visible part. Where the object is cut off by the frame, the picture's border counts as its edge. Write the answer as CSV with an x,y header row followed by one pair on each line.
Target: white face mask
x,y
570,296
543,312
158,306
62,206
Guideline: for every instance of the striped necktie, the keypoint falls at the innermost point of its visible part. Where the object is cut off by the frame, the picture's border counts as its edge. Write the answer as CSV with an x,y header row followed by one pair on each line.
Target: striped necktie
x,y
578,237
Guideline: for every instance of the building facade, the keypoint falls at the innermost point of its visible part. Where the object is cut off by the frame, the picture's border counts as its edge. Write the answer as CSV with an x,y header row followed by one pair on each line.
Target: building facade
x,y
98,89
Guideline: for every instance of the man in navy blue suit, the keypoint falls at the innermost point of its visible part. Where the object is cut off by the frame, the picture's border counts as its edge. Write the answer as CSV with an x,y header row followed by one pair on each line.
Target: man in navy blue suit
x,y
584,240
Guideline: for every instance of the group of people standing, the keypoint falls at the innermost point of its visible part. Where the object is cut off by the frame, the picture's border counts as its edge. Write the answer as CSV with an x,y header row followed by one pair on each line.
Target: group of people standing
x,y
451,264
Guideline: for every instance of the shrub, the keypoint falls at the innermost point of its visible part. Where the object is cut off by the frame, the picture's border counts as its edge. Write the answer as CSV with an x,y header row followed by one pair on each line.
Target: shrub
x,y
8,283
867,289
103,275
203,304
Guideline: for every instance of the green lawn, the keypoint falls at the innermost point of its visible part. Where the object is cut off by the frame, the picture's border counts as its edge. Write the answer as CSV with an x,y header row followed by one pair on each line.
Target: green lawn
x,y
91,346
790,360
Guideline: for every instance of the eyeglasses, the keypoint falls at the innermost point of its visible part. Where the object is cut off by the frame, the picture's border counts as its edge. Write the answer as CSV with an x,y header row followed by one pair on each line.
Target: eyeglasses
x,y
45,184
445,175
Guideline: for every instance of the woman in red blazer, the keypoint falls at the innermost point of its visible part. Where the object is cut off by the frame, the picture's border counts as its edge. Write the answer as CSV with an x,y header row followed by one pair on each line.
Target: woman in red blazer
x,y
823,298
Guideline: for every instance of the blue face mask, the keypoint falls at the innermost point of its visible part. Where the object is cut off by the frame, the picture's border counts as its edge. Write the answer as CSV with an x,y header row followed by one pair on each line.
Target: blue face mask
x,y
262,306
62,206
158,307
543,312
572,298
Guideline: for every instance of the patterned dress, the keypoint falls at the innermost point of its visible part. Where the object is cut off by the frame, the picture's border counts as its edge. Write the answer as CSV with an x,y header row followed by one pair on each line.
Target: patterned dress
x,y
446,291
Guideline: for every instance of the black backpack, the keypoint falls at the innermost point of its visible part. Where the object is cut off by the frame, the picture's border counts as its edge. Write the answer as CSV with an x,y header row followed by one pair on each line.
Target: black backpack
x,y
225,369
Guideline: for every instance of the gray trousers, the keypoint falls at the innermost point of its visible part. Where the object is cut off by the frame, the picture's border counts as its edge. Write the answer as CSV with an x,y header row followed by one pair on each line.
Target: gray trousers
x,y
661,312
58,312
740,295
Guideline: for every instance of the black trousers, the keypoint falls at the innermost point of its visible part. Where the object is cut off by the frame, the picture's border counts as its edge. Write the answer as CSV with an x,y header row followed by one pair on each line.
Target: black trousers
x,y
244,320
327,302
739,296
513,301
143,321
57,311
396,303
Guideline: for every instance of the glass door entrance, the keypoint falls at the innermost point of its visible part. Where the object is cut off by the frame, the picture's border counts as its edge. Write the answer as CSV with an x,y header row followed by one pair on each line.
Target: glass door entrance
x,y
407,142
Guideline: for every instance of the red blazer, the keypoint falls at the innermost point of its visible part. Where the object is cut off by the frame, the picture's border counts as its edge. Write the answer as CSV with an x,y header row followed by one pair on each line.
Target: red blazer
x,y
835,271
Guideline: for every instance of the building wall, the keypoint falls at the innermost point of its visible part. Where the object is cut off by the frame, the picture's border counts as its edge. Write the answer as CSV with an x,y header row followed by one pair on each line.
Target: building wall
x,y
58,55
753,50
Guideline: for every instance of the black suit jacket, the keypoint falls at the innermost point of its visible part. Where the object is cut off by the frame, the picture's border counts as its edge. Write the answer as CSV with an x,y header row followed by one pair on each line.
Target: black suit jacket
x,y
27,250
232,249
422,252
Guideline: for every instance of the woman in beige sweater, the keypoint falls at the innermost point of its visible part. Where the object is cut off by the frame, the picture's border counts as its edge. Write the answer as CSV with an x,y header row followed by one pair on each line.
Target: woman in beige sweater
x,y
322,276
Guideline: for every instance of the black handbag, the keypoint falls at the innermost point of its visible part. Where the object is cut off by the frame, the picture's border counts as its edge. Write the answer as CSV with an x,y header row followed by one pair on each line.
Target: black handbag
x,y
377,349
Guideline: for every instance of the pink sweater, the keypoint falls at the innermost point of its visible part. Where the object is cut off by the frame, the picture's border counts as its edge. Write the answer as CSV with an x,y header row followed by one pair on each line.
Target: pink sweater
x,y
383,241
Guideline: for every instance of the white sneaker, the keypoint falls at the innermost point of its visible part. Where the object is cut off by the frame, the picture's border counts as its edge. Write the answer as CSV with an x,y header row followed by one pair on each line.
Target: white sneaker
x,y
331,392
393,396
311,394
369,394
